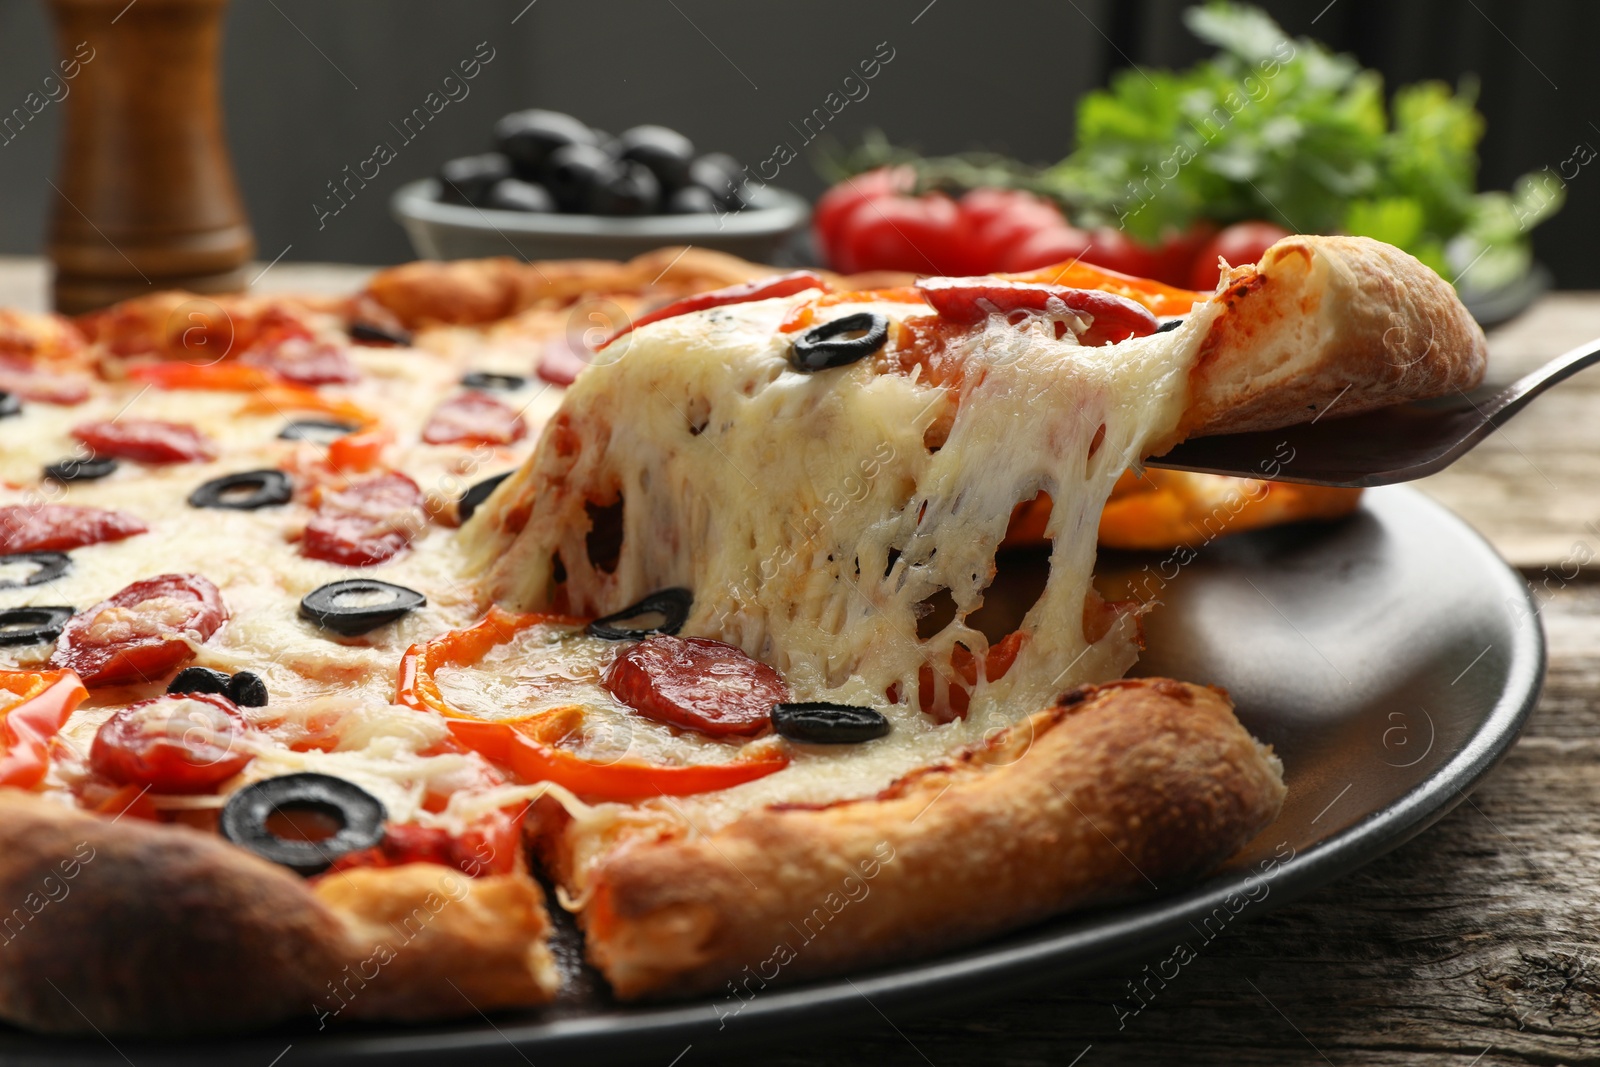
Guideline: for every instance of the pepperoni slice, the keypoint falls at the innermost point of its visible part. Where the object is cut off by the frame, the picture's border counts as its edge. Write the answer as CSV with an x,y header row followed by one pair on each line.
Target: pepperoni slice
x,y
561,361
145,440
698,684
305,362
142,632
474,418
59,527
42,387
367,522
178,743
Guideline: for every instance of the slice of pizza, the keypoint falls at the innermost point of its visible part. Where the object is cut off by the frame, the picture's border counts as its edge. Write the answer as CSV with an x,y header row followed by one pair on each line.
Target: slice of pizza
x,y
321,614
790,511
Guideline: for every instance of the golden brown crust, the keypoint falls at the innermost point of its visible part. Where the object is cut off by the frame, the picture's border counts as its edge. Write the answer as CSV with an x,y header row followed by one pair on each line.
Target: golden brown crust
x,y
131,928
477,291
1342,323
1133,784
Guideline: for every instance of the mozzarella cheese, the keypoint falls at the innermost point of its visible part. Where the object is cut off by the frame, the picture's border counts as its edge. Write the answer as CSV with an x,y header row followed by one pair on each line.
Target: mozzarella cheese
x,y
818,517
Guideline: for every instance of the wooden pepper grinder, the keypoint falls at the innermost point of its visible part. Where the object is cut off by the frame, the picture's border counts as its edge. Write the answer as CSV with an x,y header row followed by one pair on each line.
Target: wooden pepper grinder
x,y
145,197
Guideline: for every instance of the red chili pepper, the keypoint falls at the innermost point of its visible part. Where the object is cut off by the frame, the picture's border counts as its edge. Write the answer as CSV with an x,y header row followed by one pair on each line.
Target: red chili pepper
x,y
761,289
969,301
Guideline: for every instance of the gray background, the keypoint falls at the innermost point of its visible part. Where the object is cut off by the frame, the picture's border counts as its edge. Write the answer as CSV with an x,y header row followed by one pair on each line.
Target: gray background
x,y
311,85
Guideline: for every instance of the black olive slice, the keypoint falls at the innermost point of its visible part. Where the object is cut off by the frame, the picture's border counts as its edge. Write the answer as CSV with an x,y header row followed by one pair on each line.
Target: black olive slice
x,y
357,814
80,470
49,567
1169,325
825,346
24,626
319,430
822,723
477,494
9,405
199,680
671,604
347,608
247,690
263,489
366,331
484,379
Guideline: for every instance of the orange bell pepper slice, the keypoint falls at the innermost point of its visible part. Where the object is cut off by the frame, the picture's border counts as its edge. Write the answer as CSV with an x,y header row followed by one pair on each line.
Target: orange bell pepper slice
x,y
1158,298
525,746
34,705
222,377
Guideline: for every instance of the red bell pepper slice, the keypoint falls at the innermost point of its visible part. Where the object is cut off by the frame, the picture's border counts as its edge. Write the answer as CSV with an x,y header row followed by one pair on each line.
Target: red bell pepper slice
x,y
526,746
969,301
43,701
760,289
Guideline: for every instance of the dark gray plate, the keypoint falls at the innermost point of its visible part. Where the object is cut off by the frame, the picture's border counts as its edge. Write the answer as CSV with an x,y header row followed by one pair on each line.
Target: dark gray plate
x,y
1391,659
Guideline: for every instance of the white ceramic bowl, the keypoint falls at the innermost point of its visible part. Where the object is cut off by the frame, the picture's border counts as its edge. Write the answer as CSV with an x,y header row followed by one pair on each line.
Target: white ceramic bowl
x,y
451,231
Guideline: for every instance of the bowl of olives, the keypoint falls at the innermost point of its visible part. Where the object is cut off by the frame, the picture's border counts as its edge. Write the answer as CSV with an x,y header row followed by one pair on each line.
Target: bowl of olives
x,y
555,188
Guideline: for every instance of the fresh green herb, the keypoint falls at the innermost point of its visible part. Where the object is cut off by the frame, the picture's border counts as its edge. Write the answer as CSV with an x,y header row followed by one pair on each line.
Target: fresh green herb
x,y
1276,128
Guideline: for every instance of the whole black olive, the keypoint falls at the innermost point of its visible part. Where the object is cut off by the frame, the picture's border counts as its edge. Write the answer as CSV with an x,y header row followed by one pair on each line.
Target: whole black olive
x,y
468,180
671,604
576,172
824,723
355,814
48,566
514,194
721,176
199,680
666,152
529,138
24,626
692,200
628,189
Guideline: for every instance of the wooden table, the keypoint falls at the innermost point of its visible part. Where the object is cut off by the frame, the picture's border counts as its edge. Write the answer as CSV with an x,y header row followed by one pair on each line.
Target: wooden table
x,y
1468,946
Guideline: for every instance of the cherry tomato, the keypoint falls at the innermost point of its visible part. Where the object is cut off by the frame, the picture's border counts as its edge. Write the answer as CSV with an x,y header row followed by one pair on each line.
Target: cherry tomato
x,y
1173,261
698,684
142,632
366,522
59,527
1241,243
1042,248
1000,220
922,235
835,204
1115,250
760,289
969,301
145,440
178,743
474,417
304,362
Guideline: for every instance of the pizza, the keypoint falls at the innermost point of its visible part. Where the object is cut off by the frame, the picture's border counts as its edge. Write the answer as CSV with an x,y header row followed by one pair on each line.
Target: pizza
x,y
343,639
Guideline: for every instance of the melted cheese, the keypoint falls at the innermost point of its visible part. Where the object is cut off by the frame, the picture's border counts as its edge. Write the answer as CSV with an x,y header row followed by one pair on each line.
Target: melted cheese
x,y
814,523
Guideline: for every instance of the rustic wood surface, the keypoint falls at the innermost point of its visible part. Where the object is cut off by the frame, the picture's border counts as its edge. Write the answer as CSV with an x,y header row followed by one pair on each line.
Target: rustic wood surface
x,y
1473,944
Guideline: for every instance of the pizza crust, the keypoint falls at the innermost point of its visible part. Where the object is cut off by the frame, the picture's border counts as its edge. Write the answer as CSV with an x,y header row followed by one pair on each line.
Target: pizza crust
x,y
1121,788
1342,324
131,928
480,291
